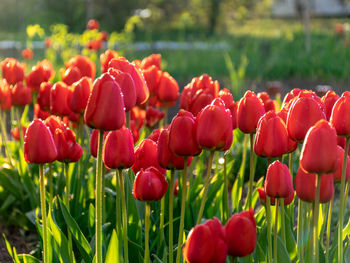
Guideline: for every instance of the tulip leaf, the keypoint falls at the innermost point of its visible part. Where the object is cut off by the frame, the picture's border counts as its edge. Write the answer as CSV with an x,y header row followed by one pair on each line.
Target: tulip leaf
x,y
347,254
282,253
113,251
26,258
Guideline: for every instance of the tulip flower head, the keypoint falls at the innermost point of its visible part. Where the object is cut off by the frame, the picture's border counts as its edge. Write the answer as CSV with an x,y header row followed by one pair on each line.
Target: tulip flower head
x,y
43,98
60,96
70,75
41,72
340,118
106,57
80,95
86,66
21,95
329,100
152,60
12,70
278,182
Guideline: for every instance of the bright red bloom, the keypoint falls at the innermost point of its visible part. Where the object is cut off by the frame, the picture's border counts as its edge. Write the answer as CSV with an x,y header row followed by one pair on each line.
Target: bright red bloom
x,y
54,122
319,153
262,197
118,149
278,182
15,132
250,109
153,116
70,75
219,236
106,57
44,95
329,100
241,234
59,99
94,142
168,90
103,36
40,113
94,44
86,66
5,95
93,24
290,96
305,186
41,72
154,136
268,103
12,70
27,53
152,77
39,146
340,117
138,115
149,185
80,95
226,96
152,60
105,107
21,95
182,136
338,172
68,150
214,127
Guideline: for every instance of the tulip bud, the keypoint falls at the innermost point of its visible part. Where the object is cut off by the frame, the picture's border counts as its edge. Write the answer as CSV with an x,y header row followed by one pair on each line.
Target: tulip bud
x,y
94,142
226,96
118,150
278,182
290,96
105,107
59,99
5,95
182,136
106,57
249,111
21,95
152,77
68,150
154,136
152,60
218,119
39,146
241,234
41,72
176,187
39,113
269,104
44,95
219,238
328,100
338,172
80,95
86,66
339,117
12,70
305,186
70,75
149,185
93,24
168,91
27,53
153,116
319,153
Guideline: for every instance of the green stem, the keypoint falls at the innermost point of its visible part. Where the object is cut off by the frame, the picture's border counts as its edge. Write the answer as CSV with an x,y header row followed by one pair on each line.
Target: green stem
x,y
98,199
161,223
268,218
5,139
147,226
165,119
182,216
127,116
251,172
50,182
225,199
171,197
19,126
117,200
329,221
275,231
283,228
66,168
124,216
342,203
43,213
103,195
316,212
290,163
206,187
300,229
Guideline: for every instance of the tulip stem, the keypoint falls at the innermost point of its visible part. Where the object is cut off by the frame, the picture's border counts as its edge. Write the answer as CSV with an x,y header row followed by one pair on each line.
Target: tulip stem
x,y
103,195
251,172
171,197
43,212
316,212
66,170
50,182
4,134
300,229
226,211
118,208
161,223
276,230
268,218
19,126
127,117
182,215
290,164
329,221
342,203
283,230
98,200
124,215
147,225
206,187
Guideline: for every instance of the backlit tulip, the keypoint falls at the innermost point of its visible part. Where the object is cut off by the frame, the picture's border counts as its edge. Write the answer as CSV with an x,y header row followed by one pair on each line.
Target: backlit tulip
x,y
153,116
262,197
241,234
93,24
328,100
152,77
59,99
168,90
319,153
21,95
182,136
152,60
55,122
12,70
44,95
5,95
94,142
290,95
41,72
15,132
118,149
337,173
105,107
149,185
278,182
106,57
40,113
219,238
86,66
68,150
269,104
249,111
70,75
340,118
80,95
39,146
27,53
94,44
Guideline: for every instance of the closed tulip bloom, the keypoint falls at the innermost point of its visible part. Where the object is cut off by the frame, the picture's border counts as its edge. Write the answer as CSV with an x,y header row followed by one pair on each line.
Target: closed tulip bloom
x,y
44,95
40,113
27,53
105,107
182,136
70,75
93,24
118,149
269,104
152,60
152,77
271,136
329,100
94,142
278,182
154,135
305,186
15,132
166,158
21,95
146,156
142,92
149,185
168,91
337,173
39,146
219,237
106,57
199,246
250,109
319,153
241,234
340,118
68,150
12,70
5,95
59,99
153,116
262,197
41,72
80,95
290,95
86,66
226,96
214,127
54,122
292,145
127,87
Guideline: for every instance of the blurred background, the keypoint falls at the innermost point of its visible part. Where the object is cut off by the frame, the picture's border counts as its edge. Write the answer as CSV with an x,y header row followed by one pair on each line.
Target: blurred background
x,y
245,44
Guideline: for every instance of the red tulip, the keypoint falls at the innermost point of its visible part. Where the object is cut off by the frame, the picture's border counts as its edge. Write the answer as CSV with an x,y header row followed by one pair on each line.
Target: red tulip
x,y
5,95
41,72
105,107
86,66
153,116
214,127
54,122
289,96
12,70
106,57
44,95
59,99
152,60
27,53
328,100
40,113
94,142
68,150
149,185
39,146
93,24
182,136
70,75
103,36
241,234
278,182
262,197
319,153
249,111
21,95
168,91
152,77
118,150
80,95
199,246
219,238
138,115
340,118
15,132
338,172
305,186
268,103
94,44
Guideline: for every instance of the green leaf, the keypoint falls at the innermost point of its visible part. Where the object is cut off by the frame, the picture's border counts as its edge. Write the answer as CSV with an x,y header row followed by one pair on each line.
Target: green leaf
x,y
25,258
282,253
113,251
